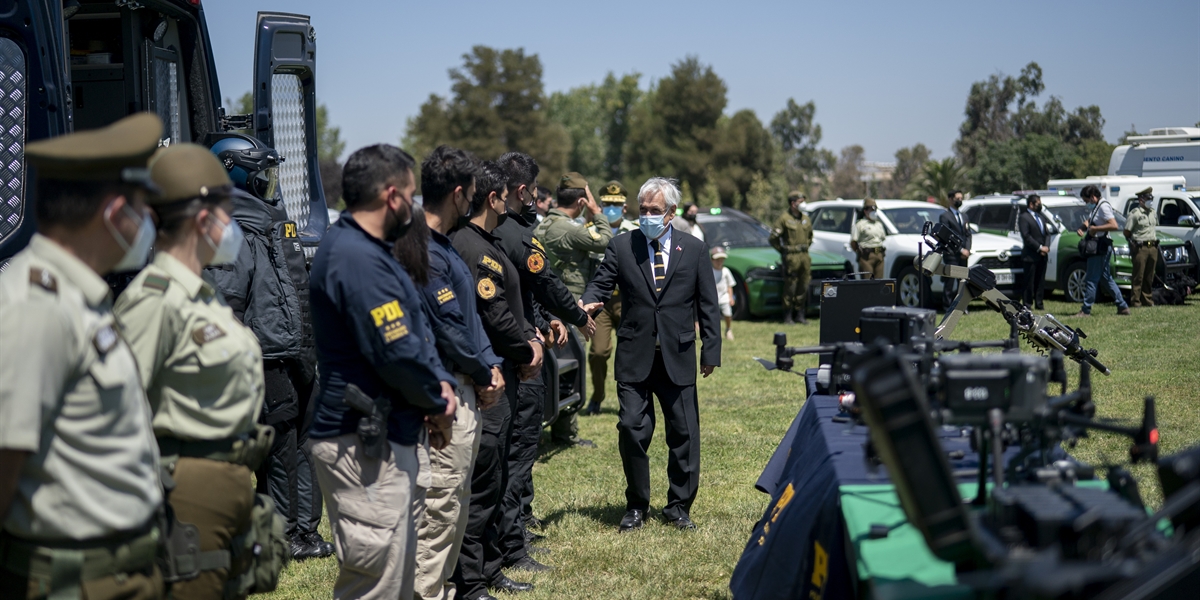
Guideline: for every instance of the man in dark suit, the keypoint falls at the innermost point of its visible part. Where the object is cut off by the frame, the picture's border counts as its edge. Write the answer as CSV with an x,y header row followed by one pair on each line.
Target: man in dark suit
x,y
957,222
1035,238
666,285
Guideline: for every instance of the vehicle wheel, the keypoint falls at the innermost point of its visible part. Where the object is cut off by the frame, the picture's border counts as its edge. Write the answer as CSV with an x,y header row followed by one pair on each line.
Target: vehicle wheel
x,y
910,288
741,300
1075,277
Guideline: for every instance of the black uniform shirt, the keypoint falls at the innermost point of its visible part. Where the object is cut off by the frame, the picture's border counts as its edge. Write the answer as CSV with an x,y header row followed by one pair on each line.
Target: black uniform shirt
x,y
538,281
498,291
371,330
450,298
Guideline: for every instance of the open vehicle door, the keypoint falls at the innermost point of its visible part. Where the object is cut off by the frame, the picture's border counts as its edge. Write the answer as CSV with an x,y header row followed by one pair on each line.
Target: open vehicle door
x,y
285,116
31,63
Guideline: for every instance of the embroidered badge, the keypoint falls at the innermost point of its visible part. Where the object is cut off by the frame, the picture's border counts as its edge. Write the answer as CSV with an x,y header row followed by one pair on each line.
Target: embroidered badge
x,y
156,283
43,279
389,319
105,339
444,295
207,333
492,264
535,262
486,289
539,245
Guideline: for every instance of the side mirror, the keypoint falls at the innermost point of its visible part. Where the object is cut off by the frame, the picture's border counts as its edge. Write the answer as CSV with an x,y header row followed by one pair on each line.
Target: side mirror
x,y
974,227
1188,221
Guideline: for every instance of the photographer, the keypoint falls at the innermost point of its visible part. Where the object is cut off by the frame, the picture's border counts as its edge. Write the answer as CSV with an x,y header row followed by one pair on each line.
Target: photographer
x,y
1095,228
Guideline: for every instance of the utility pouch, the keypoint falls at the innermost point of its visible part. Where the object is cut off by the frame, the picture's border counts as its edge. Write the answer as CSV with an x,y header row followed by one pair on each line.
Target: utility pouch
x,y
266,545
372,427
252,450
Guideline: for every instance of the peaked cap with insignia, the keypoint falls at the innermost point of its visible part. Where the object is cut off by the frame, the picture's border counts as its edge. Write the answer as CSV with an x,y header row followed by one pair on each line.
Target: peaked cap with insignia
x,y
572,181
186,171
613,193
118,152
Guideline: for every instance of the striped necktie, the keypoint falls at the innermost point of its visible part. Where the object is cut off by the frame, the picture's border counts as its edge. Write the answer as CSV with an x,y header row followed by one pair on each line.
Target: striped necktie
x,y
660,270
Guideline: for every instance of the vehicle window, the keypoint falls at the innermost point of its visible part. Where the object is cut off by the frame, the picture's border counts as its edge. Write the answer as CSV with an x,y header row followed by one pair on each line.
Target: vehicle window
x,y
735,234
1072,217
1170,209
912,220
12,136
98,91
973,213
834,220
995,216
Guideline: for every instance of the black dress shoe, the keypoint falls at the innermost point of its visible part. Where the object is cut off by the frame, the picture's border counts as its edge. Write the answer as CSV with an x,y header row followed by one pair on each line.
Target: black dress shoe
x,y
682,524
323,547
582,443
302,548
504,584
1039,307
532,522
528,564
633,519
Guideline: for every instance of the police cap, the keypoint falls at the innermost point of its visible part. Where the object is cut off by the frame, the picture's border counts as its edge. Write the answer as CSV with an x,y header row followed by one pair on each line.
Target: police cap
x,y
118,152
613,193
186,171
796,195
1149,191
572,181
869,203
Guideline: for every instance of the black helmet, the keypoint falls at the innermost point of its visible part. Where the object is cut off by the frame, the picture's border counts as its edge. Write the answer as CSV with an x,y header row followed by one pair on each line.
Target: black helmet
x,y
252,166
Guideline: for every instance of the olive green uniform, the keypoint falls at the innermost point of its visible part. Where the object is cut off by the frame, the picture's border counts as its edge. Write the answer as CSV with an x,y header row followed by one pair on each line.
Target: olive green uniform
x,y
203,375
792,236
570,246
1142,227
869,235
600,350
70,395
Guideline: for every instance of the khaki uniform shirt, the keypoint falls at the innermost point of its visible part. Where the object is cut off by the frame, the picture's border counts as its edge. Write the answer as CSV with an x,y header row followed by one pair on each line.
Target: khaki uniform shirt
x,y
1142,224
570,245
70,396
202,368
868,233
792,233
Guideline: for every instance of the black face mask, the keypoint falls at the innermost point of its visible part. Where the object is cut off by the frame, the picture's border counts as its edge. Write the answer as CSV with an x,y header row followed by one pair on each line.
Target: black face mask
x,y
501,218
529,211
393,229
958,204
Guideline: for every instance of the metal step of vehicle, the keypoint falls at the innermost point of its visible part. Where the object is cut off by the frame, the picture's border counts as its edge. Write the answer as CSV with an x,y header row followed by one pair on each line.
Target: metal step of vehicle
x,y
566,365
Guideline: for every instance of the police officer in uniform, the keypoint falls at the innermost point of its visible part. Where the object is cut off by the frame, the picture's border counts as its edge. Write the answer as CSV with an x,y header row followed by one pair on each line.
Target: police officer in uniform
x,y
612,201
1141,229
792,236
501,309
79,483
541,291
374,343
201,367
867,240
572,249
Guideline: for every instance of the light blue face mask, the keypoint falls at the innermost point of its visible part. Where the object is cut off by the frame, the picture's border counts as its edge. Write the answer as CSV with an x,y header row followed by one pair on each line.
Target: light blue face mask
x,y
652,225
613,213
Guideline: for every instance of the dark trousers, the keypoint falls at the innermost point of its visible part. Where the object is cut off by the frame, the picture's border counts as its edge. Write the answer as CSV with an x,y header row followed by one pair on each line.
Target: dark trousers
x,y
1033,281
950,284
287,474
522,453
479,561
635,429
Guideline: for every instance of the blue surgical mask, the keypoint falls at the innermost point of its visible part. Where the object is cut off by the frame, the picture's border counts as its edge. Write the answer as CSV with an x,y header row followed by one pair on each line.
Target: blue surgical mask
x,y
652,225
613,213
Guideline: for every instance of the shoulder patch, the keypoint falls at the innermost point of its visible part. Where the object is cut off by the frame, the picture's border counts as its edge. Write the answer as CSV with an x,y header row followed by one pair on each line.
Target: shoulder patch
x,y
538,243
154,282
492,265
444,295
389,320
43,279
535,262
105,339
486,289
207,333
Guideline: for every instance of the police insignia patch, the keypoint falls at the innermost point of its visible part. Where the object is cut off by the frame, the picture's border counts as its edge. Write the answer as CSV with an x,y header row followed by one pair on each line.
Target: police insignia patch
x,y
538,243
207,333
492,264
444,295
389,319
106,338
486,289
535,262
43,279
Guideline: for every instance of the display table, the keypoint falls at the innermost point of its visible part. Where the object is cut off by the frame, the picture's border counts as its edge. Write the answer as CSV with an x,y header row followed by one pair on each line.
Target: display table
x,y
814,539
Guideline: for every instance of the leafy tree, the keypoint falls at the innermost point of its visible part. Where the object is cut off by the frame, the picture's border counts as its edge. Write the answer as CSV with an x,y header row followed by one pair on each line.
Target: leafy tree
x,y
1092,158
496,105
597,119
798,134
847,175
743,148
908,166
1023,163
936,179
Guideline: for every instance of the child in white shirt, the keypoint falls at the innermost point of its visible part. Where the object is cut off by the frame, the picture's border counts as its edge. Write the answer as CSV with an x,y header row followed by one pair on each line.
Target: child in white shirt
x,y
725,283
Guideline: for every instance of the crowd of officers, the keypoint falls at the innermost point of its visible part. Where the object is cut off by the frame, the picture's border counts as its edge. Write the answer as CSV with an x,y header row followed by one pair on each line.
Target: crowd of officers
x,y
411,352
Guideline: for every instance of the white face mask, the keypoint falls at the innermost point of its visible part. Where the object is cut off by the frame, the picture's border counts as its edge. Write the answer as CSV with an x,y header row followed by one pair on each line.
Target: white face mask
x,y
138,251
231,243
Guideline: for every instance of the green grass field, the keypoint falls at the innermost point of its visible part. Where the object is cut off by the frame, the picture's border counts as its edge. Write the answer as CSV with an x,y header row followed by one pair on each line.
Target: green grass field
x,y
744,412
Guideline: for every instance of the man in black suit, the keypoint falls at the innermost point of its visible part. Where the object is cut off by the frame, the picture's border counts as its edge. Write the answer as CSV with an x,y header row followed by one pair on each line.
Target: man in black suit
x,y
666,285
1035,238
957,222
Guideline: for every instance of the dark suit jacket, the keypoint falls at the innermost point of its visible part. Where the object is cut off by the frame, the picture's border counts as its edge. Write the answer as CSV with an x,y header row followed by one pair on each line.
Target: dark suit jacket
x,y
947,220
1033,237
689,293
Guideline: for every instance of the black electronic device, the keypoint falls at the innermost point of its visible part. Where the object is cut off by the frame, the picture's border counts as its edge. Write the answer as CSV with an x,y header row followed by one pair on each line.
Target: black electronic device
x,y
971,385
1176,473
896,324
842,303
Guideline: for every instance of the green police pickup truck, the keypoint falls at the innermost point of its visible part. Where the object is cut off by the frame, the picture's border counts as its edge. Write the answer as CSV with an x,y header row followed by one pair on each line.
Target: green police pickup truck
x,y
1065,268
757,267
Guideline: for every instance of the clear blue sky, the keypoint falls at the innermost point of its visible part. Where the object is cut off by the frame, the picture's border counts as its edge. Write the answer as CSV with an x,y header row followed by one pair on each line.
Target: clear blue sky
x,y
883,74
